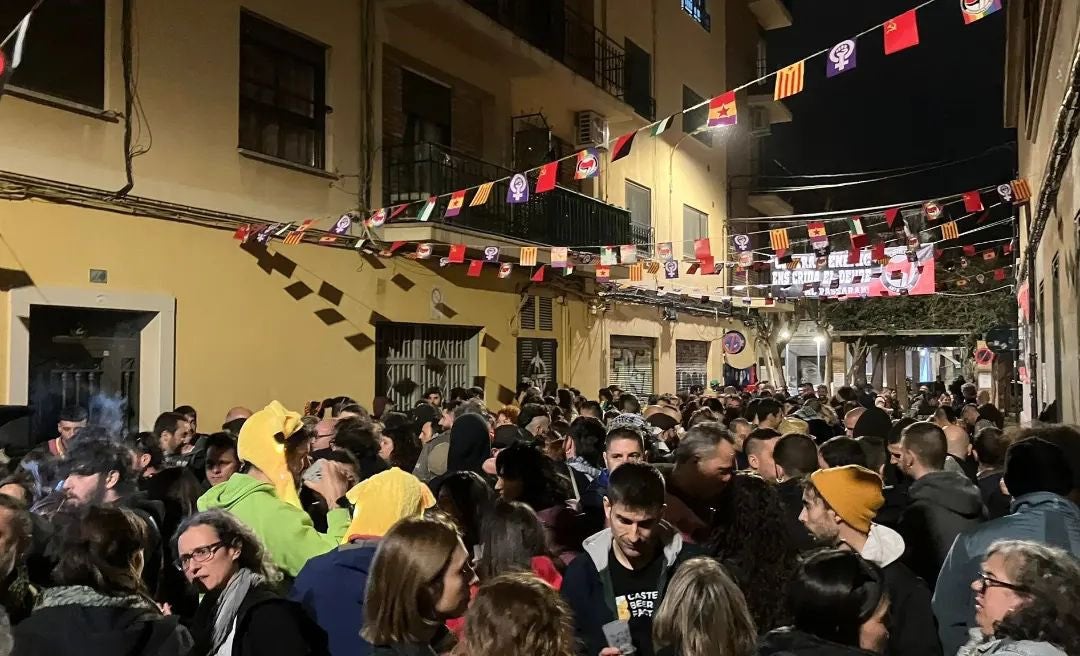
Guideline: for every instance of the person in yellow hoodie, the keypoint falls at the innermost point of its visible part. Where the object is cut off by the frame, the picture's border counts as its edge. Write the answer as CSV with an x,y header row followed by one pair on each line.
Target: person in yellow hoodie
x,y
274,446
331,587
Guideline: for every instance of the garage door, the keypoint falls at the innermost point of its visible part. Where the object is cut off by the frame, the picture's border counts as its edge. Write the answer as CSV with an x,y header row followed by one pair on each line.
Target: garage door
x,y
691,364
410,358
632,361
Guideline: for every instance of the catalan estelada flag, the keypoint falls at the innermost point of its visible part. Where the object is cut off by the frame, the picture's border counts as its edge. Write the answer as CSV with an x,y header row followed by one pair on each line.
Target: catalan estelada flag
x,y
297,236
482,194
722,110
789,80
456,201
1021,191
950,231
778,239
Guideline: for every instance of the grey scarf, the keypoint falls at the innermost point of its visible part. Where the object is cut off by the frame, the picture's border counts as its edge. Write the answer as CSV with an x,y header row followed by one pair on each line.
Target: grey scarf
x,y
228,604
81,595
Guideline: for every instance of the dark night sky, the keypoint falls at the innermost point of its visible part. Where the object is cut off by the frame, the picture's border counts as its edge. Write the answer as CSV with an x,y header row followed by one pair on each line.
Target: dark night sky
x,y
940,100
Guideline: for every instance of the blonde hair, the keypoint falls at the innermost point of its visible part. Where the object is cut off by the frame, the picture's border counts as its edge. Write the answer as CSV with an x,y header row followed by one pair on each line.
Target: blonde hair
x,y
406,581
704,613
517,615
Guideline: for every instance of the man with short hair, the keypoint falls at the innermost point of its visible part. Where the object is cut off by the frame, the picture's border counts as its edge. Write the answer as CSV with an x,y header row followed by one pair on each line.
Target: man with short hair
x,y
534,419
622,445
740,429
839,506
172,430
765,412
806,391
1038,476
957,442
625,569
72,418
758,448
436,442
989,449
943,503
592,409
851,419
795,457
840,451
704,465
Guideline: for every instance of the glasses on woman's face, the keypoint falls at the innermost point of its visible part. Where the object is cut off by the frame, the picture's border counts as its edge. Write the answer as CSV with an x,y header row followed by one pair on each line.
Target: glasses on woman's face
x,y
198,555
986,581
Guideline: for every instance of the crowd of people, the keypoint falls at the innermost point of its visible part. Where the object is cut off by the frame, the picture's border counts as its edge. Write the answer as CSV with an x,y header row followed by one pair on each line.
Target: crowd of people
x,y
719,522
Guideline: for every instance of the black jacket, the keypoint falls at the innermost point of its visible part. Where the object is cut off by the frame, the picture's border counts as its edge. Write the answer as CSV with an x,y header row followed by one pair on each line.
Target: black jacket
x,y
587,587
153,515
912,628
943,504
791,496
99,631
998,503
792,642
265,624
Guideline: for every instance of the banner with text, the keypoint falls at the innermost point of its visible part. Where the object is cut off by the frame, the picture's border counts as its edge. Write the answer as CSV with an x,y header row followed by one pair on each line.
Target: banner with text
x,y
829,276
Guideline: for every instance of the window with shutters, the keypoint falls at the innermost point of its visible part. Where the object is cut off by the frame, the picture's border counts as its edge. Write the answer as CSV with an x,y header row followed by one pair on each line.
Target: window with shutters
x,y
632,364
537,361
691,364
537,313
64,51
695,225
409,358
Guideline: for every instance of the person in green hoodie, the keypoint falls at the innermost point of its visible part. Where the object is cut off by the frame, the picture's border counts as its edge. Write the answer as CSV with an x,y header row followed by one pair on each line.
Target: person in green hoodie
x,y
274,445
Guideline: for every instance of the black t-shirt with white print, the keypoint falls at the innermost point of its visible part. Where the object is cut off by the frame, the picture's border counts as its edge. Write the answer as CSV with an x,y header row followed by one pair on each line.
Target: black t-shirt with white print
x,y
637,598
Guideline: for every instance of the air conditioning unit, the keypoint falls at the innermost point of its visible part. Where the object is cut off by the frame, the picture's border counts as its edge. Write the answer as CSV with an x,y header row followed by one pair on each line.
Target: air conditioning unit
x,y
760,126
592,129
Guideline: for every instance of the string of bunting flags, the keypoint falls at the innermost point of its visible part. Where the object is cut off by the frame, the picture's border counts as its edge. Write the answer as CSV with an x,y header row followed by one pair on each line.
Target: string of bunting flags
x,y
899,33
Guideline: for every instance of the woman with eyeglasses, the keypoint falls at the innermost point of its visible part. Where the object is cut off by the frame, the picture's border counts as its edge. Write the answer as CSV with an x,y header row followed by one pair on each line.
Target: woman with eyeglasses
x,y
240,614
1027,602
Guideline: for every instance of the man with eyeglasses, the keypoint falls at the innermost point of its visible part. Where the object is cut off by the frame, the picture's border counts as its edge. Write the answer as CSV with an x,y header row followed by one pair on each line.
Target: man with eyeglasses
x,y
839,507
1038,476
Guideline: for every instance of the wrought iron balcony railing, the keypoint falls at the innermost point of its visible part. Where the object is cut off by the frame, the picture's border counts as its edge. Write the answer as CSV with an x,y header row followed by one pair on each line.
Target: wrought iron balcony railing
x,y
561,217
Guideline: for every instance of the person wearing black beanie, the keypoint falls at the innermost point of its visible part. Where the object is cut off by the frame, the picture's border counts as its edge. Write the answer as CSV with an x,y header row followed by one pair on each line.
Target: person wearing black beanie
x,y
1038,476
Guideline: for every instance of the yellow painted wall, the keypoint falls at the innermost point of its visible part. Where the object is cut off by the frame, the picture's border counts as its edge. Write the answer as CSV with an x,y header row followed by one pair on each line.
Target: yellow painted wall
x,y
240,338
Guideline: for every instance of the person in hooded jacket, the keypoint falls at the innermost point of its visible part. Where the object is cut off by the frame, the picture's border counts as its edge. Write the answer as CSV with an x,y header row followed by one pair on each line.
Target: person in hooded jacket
x,y
839,605
839,506
1038,474
99,606
241,614
470,444
331,586
795,457
943,504
274,446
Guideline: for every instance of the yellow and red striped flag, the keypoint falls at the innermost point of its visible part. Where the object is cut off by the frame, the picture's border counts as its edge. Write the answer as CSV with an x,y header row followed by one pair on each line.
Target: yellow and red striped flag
x,y
482,194
635,272
297,236
1021,191
789,80
950,231
778,239
527,257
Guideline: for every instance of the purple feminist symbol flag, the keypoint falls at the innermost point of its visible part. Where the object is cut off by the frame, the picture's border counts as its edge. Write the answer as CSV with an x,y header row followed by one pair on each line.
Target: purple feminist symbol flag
x,y
841,58
518,191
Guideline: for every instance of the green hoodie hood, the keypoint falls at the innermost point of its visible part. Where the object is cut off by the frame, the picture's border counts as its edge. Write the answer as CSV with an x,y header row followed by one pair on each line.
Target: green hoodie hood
x,y
284,529
233,491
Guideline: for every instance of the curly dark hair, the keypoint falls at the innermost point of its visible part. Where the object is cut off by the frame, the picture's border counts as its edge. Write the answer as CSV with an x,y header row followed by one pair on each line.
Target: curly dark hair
x,y
1050,580
751,540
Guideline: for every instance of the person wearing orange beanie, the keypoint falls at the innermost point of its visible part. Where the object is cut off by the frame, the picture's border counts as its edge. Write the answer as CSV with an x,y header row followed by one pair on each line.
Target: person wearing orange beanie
x,y
839,506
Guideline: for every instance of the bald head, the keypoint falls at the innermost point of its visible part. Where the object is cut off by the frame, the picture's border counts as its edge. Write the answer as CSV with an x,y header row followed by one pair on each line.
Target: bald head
x,y
239,412
957,441
852,418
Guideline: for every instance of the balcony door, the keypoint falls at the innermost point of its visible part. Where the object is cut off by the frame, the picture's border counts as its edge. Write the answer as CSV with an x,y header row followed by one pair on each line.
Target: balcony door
x,y
426,105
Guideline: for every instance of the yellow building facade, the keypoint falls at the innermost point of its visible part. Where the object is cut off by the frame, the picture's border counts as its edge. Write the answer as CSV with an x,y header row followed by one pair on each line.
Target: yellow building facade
x,y
1042,82
271,113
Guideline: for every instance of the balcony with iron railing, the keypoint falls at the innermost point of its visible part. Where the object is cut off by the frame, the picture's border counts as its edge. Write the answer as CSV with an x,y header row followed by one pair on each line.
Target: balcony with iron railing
x,y
561,33
561,217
